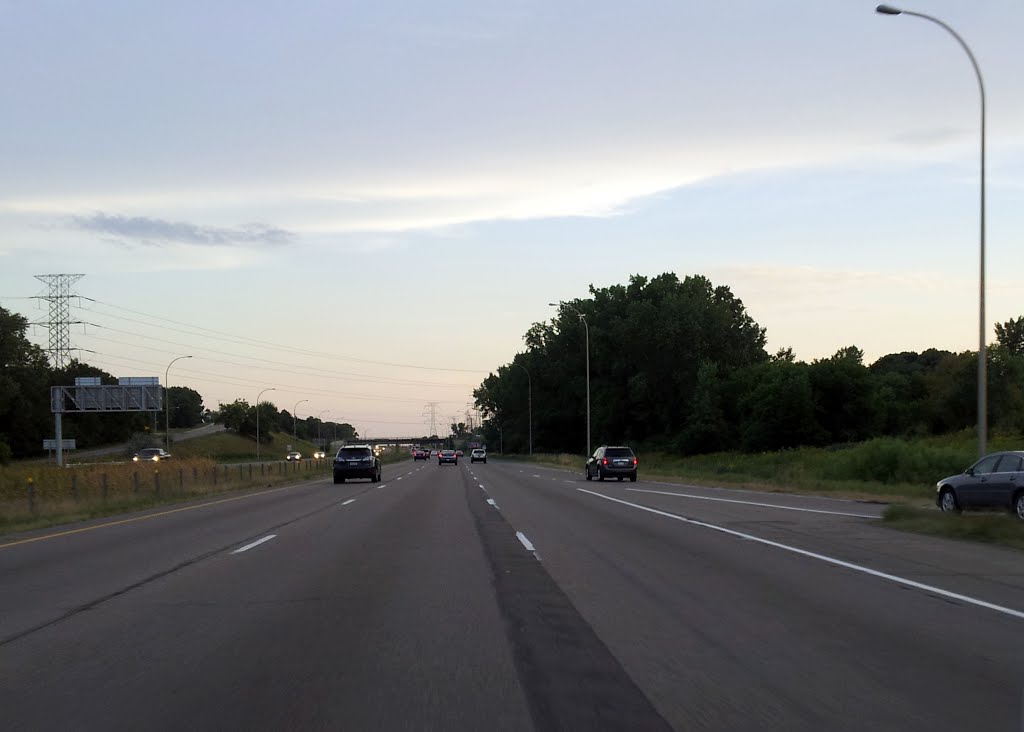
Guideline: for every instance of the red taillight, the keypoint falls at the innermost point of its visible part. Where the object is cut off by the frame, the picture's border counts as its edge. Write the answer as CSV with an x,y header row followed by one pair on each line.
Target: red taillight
x,y
604,461
634,461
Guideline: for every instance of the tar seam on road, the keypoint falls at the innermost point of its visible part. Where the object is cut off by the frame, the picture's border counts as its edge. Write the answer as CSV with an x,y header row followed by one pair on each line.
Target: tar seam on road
x,y
752,503
146,580
570,678
247,547
822,557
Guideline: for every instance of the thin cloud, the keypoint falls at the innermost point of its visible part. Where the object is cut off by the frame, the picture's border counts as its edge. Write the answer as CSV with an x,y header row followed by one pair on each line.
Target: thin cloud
x,y
157,232
934,137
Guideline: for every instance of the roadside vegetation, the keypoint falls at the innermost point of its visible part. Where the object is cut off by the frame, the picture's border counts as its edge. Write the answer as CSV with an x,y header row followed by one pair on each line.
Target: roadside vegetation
x,y
34,495
883,469
987,527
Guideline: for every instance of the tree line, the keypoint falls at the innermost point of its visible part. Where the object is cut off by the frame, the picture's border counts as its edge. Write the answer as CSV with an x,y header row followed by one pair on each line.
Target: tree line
x,y
680,366
26,418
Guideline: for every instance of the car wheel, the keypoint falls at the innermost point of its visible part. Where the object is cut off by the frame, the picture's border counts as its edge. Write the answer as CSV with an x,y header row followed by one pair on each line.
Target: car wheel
x,y
620,479
485,461
948,503
1018,505
632,478
337,480
586,472
600,475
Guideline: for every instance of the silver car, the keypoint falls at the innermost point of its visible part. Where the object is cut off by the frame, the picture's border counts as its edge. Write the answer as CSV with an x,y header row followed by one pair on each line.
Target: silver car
x,y
995,481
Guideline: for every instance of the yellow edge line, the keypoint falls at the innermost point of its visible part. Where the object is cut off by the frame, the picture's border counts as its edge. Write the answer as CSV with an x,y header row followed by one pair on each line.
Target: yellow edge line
x,y
147,516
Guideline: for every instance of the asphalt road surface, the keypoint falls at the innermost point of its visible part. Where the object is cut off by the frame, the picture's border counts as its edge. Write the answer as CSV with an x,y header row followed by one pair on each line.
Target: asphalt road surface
x,y
507,597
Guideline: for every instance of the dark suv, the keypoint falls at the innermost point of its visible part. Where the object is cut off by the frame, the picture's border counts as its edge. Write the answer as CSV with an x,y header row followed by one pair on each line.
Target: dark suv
x,y
611,462
356,461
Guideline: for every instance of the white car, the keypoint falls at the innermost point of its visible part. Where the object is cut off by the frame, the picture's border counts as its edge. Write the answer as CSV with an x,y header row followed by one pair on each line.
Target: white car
x,y
319,454
478,455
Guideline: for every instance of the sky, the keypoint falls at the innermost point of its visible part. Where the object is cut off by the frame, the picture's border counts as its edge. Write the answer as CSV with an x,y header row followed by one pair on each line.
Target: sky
x,y
365,205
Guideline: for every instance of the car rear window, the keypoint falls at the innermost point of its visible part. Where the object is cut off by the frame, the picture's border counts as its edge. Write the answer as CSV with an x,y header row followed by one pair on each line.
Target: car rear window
x,y
618,452
353,452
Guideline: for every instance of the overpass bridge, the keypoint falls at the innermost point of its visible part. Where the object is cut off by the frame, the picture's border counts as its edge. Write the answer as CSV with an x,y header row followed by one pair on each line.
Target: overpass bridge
x,y
434,442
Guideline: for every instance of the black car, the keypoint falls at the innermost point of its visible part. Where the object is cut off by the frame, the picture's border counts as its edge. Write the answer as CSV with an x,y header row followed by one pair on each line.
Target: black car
x,y
447,456
611,462
151,454
995,481
356,461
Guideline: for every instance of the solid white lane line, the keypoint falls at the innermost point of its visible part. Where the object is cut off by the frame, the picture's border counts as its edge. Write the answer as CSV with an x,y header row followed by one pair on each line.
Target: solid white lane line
x,y
830,560
350,500
524,541
753,503
491,501
247,547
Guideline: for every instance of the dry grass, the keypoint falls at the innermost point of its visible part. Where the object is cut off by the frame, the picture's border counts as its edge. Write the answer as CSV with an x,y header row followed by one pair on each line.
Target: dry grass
x,y
33,495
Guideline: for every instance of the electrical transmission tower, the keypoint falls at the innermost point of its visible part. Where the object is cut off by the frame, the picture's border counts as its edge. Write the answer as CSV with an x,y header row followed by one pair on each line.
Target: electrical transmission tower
x,y
59,295
430,412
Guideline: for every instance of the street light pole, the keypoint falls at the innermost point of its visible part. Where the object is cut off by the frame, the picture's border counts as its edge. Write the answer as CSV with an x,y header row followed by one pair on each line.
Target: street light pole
x,y
529,401
258,420
167,403
982,355
587,329
295,419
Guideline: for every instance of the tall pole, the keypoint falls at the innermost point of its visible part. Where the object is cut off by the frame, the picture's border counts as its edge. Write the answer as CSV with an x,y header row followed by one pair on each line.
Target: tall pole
x,y
167,403
587,329
258,420
529,400
295,419
982,355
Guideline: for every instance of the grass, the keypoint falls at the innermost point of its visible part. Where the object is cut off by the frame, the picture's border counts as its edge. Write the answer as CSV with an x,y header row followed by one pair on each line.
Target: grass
x,y
36,495
883,469
203,467
990,528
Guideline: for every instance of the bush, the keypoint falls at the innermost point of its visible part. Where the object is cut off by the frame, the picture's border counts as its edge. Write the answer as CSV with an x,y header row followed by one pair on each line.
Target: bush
x,y
889,460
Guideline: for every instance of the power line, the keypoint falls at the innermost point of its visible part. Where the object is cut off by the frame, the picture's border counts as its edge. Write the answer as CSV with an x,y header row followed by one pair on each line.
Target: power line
x,y
242,340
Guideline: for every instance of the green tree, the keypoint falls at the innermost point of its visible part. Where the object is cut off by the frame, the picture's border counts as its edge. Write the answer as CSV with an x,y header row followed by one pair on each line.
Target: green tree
x,y
186,406
776,409
25,417
843,393
1010,335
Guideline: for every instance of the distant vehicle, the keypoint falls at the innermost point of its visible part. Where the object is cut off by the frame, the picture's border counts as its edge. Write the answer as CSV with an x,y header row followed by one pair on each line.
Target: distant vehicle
x,y
356,461
478,455
995,481
433,453
459,453
420,455
447,456
293,455
151,454
319,454
611,462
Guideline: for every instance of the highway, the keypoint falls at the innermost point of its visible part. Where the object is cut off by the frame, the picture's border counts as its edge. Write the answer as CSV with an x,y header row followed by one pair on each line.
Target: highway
x,y
505,596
